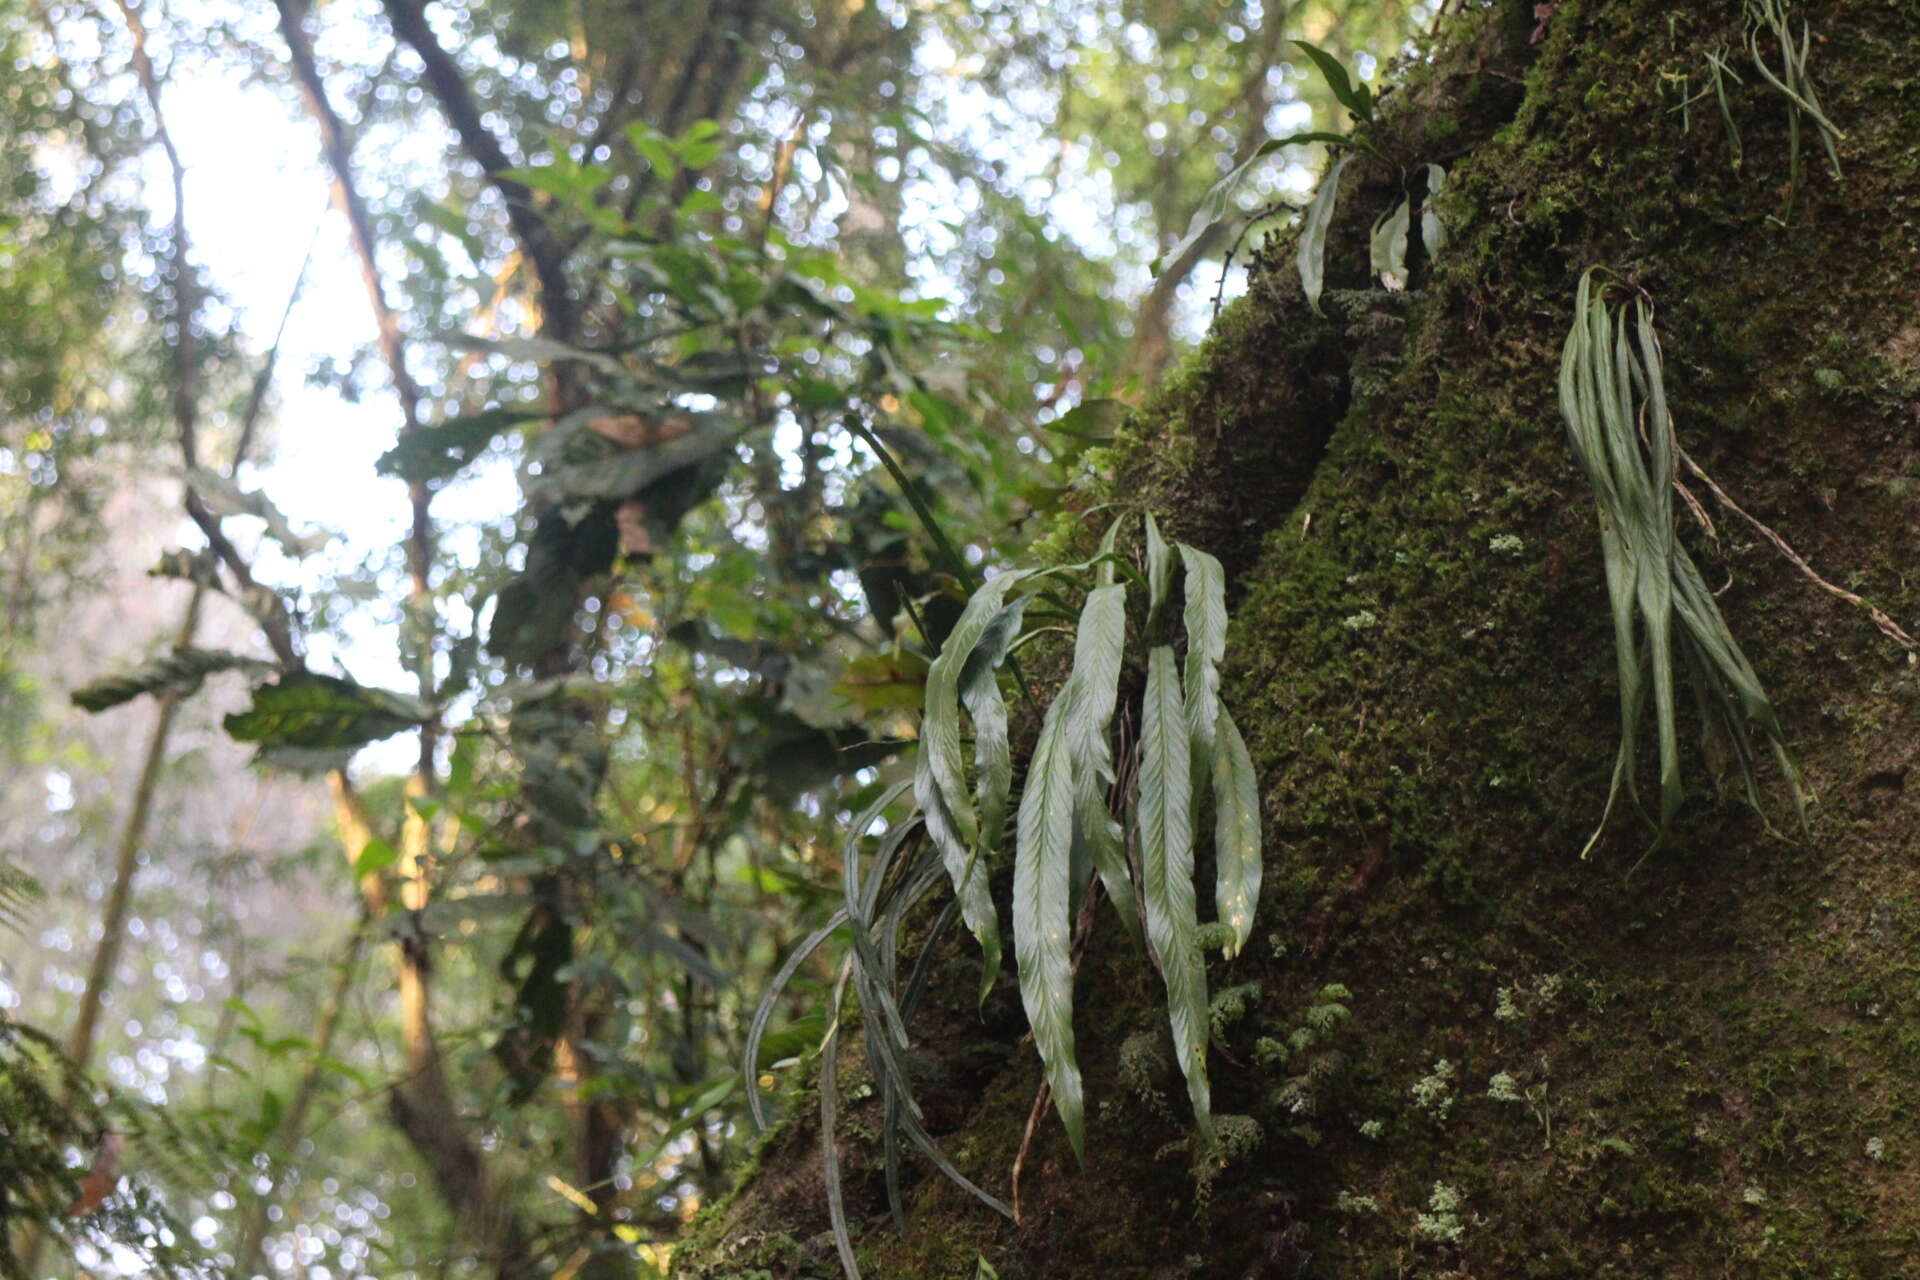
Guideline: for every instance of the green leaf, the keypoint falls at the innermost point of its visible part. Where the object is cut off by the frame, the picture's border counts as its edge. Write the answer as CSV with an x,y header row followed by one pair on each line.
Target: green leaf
x,y
940,784
993,754
1215,204
1312,253
437,452
178,672
1389,247
375,858
1159,574
1091,692
1236,834
302,709
940,725
1166,872
654,148
1433,232
1355,98
1042,924
1206,622
1090,420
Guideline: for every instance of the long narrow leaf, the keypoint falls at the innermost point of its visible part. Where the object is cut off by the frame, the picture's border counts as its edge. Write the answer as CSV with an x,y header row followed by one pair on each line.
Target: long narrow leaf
x,y
1236,838
1215,204
750,1070
1094,687
1042,923
1166,868
1312,254
992,752
1389,246
940,783
1159,575
1433,232
829,1120
1206,622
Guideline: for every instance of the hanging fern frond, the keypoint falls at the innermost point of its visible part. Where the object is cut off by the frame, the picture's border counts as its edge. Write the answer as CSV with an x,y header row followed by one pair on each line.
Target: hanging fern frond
x,y
1066,833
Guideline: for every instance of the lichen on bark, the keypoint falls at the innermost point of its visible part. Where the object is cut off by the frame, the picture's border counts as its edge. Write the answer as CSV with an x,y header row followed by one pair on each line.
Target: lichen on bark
x,y
1699,1062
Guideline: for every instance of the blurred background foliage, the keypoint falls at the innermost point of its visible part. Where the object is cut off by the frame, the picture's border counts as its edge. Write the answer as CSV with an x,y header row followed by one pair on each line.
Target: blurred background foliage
x,y
424,866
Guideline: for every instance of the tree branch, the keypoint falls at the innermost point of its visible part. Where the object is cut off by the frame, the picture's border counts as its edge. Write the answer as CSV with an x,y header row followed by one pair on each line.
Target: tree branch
x,y
558,315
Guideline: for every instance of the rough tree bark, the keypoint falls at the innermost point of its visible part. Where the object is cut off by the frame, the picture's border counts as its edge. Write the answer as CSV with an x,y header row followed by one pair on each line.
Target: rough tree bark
x,y
1710,1050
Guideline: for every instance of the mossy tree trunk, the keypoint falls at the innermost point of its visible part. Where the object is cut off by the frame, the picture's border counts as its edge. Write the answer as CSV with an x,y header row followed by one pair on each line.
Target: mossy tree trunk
x,y
1699,1061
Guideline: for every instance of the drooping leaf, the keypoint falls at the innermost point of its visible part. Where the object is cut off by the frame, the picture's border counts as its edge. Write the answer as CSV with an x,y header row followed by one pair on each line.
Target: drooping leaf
x,y
763,1014
993,754
1433,232
439,451
940,726
1042,923
1166,872
1236,838
1092,691
180,671
302,709
1389,247
1206,623
1312,254
1613,398
1215,204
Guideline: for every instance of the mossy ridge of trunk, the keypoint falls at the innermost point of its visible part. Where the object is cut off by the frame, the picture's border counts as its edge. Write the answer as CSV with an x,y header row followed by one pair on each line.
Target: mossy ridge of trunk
x,y
1711,1051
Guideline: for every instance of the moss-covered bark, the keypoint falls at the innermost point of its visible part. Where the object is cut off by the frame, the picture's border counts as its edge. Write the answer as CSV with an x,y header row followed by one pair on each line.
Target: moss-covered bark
x,y
1699,1062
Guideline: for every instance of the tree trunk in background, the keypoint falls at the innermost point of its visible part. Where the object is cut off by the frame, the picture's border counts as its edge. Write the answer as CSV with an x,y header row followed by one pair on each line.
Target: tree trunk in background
x,y
1711,1052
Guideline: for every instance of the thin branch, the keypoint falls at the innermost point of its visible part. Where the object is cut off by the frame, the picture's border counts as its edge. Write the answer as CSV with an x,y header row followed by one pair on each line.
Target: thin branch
x,y
450,89
1888,627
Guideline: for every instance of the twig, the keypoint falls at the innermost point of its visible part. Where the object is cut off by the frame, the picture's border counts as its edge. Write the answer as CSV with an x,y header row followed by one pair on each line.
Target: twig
x,y
1888,627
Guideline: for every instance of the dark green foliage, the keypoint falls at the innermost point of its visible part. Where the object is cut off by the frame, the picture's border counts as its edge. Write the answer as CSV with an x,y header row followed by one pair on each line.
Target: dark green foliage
x,y
180,672
302,709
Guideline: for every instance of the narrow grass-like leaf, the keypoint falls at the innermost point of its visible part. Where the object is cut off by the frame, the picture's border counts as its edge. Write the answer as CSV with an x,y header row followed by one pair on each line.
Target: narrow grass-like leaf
x,y
1094,686
1042,921
1389,247
829,1120
1613,397
1312,253
757,1030
1433,232
1236,835
1166,869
